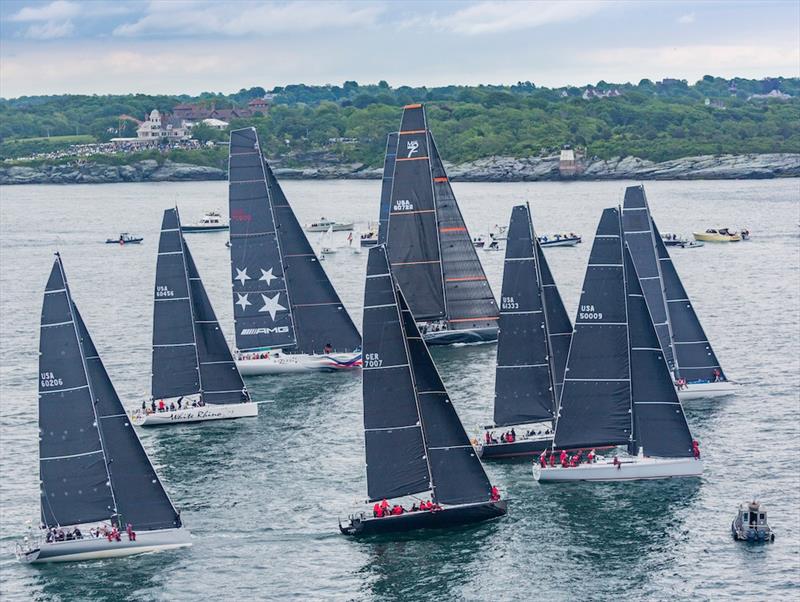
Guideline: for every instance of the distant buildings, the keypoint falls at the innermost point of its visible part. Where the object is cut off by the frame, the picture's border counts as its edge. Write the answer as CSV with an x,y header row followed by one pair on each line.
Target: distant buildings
x,y
158,126
195,112
772,95
569,163
590,93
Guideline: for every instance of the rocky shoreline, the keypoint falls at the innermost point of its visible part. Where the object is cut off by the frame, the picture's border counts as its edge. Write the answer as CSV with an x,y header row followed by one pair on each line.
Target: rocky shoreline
x,y
490,169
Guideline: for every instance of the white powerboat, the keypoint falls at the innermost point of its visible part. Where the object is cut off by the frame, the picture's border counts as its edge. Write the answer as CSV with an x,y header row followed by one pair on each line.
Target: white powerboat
x,y
322,225
210,222
276,361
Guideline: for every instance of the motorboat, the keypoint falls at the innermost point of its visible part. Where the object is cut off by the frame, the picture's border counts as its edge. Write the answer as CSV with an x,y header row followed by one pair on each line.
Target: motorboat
x,y
559,240
415,443
721,235
210,222
124,239
100,495
751,524
673,240
257,362
323,224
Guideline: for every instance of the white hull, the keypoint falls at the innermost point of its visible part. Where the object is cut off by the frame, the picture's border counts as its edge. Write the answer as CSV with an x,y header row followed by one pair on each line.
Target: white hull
x,y
564,242
325,227
629,469
96,548
708,390
198,414
282,363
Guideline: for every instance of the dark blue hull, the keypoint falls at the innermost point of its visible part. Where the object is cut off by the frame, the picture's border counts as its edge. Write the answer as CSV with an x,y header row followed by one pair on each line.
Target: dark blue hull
x,y
531,447
203,228
411,521
453,337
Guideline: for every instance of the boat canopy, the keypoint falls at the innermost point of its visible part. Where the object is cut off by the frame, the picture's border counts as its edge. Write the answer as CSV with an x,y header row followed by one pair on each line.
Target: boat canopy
x,y
282,296
92,465
414,439
190,352
694,357
525,386
386,186
430,249
640,238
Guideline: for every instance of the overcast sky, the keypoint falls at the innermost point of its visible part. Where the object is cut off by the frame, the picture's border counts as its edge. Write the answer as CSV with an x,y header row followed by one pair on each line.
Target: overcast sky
x,y
177,46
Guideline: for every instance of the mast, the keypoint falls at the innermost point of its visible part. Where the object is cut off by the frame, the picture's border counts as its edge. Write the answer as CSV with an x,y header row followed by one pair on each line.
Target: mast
x,y
412,237
176,365
468,297
524,387
318,314
659,424
261,304
386,186
695,359
595,406
640,237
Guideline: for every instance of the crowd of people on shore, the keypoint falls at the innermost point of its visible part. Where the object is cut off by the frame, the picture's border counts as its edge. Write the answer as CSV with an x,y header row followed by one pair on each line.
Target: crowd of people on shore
x,y
80,151
112,533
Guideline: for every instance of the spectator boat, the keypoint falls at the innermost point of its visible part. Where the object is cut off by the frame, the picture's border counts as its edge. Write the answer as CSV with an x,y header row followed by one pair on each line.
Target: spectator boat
x,y
721,235
287,315
210,222
415,443
618,390
191,358
751,524
559,240
428,243
697,371
673,240
532,345
124,239
323,225
92,466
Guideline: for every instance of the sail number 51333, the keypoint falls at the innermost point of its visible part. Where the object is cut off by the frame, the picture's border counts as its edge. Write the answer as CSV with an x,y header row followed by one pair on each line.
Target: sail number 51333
x,y
508,303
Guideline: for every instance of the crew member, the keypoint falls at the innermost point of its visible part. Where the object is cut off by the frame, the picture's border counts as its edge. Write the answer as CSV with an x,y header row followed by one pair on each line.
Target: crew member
x,y
543,459
495,493
695,449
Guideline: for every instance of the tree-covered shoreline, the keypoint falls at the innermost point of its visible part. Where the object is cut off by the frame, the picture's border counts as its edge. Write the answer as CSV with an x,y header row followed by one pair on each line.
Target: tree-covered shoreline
x,y
653,121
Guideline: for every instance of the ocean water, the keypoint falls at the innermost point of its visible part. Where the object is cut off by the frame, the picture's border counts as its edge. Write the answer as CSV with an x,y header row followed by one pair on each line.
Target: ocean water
x,y
261,496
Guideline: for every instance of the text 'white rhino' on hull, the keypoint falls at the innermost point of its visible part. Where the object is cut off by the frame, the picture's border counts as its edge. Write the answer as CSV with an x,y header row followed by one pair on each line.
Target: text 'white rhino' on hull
x,y
628,469
198,414
90,548
276,362
708,390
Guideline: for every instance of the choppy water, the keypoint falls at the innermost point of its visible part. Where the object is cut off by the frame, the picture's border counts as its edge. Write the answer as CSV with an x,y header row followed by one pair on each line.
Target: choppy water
x,y
261,496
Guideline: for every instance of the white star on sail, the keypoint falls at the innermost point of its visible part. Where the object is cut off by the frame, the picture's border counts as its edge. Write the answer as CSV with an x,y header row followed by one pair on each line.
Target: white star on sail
x,y
271,305
242,300
241,275
268,276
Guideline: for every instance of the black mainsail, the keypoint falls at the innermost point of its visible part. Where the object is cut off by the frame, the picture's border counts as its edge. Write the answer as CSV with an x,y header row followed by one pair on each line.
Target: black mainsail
x,y
415,441
618,389
429,247
190,353
595,404
386,186
695,359
640,237
525,377
292,303
91,462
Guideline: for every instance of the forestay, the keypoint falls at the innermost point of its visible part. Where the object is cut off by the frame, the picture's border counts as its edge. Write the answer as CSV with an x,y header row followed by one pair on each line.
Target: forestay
x,y
92,465
386,186
695,359
659,424
414,438
524,387
595,405
319,316
641,240
261,305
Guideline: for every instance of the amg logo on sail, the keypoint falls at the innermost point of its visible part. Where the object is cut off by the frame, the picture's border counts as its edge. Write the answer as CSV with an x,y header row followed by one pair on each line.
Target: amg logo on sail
x,y
276,330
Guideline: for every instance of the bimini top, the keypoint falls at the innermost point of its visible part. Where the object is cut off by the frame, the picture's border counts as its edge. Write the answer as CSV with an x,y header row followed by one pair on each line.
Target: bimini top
x,y
618,389
415,441
282,297
190,352
92,466
429,247
535,331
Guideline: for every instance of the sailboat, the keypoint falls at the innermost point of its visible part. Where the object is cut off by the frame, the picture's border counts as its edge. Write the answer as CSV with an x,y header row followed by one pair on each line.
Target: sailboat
x,y
387,182
618,390
532,347
92,466
429,246
194,374
415,442
288,317
695,367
